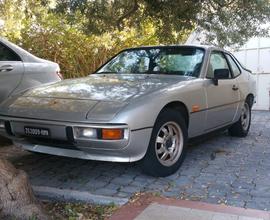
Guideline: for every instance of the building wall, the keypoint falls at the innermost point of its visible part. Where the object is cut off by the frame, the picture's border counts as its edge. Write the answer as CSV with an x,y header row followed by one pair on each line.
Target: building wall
x,y
255,55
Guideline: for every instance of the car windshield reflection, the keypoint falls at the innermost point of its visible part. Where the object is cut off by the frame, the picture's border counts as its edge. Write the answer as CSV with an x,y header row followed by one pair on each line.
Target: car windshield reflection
x,y
184,61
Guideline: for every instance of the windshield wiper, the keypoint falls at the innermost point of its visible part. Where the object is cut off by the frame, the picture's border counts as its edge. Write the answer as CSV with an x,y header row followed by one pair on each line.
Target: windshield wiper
x,y
179,73
106,72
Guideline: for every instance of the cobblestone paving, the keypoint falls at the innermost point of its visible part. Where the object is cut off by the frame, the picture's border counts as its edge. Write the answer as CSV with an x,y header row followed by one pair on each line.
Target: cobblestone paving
x,y
222,169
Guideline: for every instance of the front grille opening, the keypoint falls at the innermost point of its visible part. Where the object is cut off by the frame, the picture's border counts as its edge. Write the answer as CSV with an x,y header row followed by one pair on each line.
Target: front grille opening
x,y
69,133
8,128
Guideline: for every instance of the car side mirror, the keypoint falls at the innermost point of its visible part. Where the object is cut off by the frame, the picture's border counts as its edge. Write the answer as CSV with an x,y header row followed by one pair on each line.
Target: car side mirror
x,y
220,74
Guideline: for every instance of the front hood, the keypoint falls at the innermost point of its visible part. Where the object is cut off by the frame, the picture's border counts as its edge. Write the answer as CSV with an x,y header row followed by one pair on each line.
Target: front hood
x,y
47,108
110,87
96,98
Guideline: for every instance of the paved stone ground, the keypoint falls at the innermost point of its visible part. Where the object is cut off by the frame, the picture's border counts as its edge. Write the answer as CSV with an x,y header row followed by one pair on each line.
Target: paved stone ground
x,y
149,207
160,212
221,169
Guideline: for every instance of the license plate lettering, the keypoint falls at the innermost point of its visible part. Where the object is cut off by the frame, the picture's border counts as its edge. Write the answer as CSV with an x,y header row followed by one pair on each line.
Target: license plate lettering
x,y
44,132
39,132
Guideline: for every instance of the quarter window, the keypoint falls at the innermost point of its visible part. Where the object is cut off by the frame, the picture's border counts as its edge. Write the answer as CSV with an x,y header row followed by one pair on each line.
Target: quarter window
x,y
217,61
235,69
8,55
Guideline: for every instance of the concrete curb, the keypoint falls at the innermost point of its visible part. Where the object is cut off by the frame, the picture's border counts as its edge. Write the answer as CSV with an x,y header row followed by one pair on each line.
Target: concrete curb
x,y
66,195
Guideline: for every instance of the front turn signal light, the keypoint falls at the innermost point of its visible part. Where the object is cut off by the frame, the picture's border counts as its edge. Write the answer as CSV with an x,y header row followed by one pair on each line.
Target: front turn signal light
x,y
112,134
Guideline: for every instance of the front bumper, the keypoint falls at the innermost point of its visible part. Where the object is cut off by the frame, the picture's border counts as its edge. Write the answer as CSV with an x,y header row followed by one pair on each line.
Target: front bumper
x,y
60,143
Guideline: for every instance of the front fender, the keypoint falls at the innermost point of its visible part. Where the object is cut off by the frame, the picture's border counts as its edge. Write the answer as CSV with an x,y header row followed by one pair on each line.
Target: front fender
x,y
143,112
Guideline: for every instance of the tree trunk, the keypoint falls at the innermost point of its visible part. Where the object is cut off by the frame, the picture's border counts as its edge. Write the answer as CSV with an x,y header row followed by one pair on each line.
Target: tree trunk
x,y
17,200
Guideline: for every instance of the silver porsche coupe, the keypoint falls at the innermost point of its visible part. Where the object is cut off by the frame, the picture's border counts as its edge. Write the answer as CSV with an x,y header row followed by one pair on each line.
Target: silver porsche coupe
x,y
143,105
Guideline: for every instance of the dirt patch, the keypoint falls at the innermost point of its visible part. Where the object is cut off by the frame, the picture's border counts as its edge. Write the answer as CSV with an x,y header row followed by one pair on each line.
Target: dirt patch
x,y
218,152
78,211
11,152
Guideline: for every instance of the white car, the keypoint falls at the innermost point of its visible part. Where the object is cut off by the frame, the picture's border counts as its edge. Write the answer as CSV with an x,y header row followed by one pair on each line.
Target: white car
x,y
20,70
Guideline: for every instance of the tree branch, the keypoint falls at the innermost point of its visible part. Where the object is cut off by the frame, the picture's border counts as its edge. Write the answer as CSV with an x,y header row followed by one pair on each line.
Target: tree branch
x,y
134,8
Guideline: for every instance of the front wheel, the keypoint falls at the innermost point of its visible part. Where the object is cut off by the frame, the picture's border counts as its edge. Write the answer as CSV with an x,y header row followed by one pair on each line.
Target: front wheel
x,y
167,147
241,127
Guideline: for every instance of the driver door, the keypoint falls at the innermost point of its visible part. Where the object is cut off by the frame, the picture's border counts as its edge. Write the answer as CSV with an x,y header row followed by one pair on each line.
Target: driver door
x,y
222,99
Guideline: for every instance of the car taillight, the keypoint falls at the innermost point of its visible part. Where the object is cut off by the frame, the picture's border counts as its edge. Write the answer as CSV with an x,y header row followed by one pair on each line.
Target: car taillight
x,y
59,74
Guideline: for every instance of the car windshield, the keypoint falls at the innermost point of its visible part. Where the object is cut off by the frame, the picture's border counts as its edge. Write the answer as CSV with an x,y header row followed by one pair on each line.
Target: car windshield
x,y
185,61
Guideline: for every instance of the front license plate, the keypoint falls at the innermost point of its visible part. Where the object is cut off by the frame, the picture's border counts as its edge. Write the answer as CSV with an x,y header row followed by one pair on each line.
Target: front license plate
x,y
37,132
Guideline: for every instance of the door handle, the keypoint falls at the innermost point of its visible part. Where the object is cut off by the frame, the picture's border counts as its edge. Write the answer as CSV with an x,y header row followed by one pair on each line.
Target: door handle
x,y
234,88
6,68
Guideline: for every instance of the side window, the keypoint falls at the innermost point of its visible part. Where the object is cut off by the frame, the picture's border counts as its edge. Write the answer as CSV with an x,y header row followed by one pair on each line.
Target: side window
x,y
8,55
235,69
217,61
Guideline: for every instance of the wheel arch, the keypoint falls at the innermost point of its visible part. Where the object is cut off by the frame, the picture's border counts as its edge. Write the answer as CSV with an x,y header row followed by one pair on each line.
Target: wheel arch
x,y
250,99
179,106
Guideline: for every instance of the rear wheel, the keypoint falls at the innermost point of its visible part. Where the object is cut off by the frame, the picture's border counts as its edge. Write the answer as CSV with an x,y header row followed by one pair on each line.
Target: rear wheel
x,y
167,147
241,127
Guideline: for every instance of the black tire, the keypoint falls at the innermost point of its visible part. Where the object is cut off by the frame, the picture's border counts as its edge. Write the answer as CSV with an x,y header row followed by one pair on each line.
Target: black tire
x,y
238,129
151,165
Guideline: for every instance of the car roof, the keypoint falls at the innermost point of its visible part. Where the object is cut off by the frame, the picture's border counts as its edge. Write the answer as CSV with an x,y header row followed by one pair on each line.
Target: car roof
x,y
24,55
201,46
